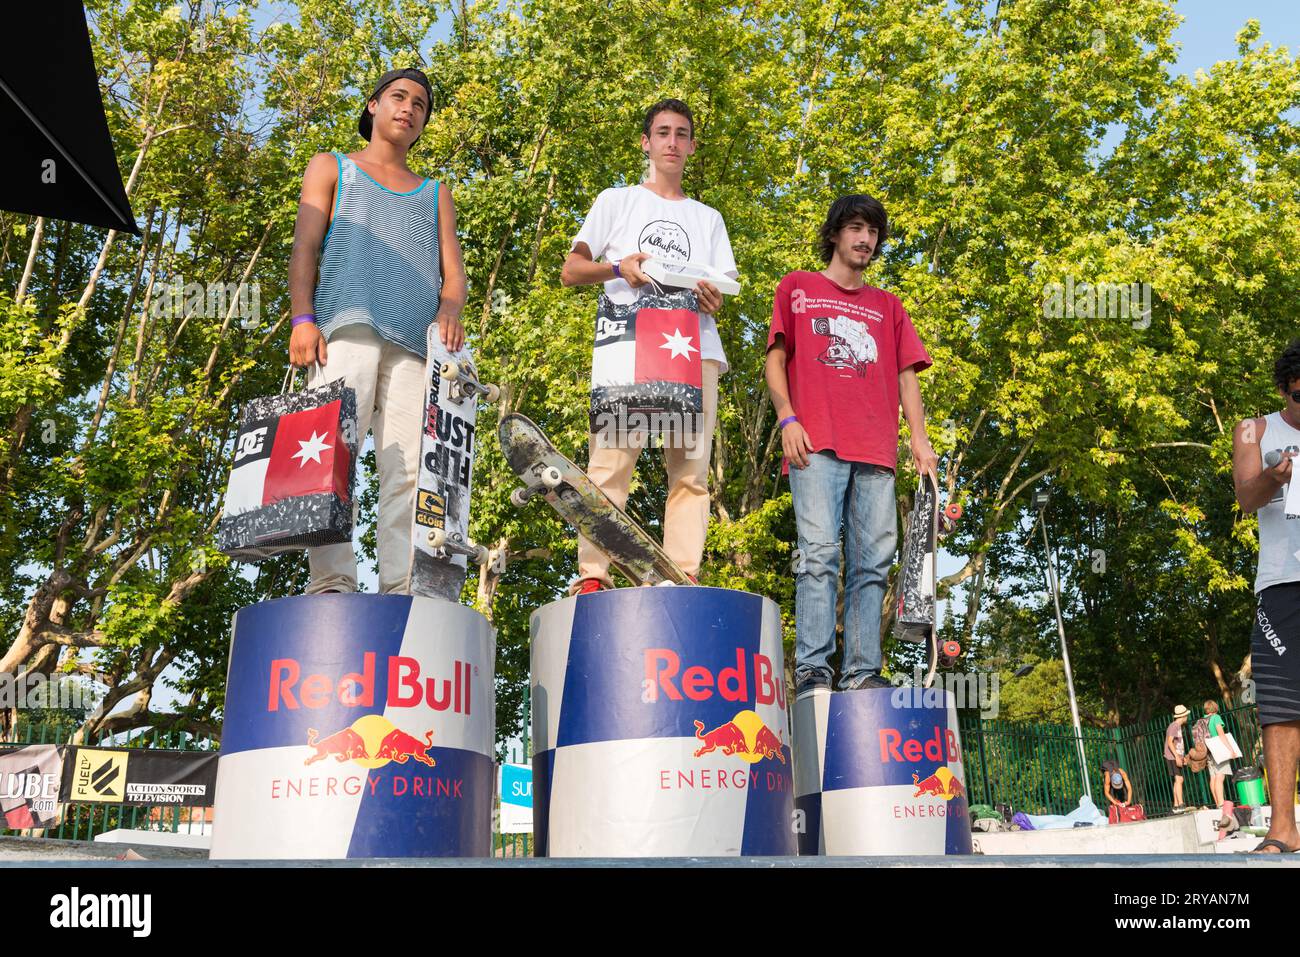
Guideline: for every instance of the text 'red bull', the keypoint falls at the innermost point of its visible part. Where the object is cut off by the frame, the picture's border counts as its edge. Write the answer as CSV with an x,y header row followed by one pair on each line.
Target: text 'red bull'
x,y
699,683
404,687
942,747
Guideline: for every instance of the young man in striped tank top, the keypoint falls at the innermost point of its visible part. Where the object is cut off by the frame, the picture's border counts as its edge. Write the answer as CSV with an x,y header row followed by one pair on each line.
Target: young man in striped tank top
x,y
389,265
1275,641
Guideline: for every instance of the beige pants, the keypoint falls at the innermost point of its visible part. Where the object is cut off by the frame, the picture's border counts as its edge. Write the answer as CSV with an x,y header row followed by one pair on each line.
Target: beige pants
x,y
389,382
686,514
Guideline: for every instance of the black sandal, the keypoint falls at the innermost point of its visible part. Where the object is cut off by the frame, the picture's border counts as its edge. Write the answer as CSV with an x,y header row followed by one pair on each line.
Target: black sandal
x,y
1272,842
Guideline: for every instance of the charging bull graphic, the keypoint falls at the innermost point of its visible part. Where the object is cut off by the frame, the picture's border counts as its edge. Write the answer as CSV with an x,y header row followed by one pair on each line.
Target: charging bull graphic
x,y
745,735
727,737
345,745
943,783
398,746
371,741
768,745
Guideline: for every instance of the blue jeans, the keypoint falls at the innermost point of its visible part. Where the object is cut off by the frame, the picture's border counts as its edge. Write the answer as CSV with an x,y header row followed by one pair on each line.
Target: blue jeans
x,y
827,494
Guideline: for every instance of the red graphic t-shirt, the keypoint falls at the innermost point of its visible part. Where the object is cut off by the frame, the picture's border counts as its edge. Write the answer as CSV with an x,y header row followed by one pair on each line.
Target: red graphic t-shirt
x,y
844,350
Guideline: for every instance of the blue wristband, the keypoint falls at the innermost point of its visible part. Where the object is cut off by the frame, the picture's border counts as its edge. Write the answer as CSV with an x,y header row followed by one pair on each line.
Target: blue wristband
x,y
786,421
617,274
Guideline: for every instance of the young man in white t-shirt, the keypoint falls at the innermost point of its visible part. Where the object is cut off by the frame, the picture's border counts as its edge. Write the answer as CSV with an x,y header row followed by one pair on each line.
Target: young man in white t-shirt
x,y
626,226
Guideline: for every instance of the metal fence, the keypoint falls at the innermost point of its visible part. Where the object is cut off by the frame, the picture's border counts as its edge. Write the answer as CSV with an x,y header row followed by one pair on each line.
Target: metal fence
x,y
1032,767
1035,767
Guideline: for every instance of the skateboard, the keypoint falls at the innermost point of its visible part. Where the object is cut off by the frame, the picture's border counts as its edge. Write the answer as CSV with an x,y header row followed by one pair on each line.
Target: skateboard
x,y
917,609
568,490
441,549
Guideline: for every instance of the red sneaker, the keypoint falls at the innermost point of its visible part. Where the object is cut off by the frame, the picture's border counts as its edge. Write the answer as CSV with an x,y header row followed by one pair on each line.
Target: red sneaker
x,y
589,585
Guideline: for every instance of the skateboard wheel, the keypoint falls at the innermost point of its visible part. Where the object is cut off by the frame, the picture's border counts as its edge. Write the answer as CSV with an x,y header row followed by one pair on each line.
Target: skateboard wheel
x,y
449,370
552,477
952,511
438,537
519,497
493,392
951,650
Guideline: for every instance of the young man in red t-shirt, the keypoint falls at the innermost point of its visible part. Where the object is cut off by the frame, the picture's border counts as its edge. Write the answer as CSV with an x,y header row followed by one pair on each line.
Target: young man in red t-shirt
x,y
840,355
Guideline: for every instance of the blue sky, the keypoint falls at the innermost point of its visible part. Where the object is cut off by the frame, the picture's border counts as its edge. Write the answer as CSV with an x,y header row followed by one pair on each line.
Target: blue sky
x,y
1207,33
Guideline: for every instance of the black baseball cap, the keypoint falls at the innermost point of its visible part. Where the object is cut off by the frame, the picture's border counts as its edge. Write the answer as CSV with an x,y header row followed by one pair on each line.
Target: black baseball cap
x,y
366,122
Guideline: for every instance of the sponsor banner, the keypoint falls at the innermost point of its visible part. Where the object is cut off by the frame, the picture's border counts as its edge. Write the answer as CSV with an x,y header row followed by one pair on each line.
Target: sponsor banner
x,y
875,775
30,778
357,726
516,790
139,776
661,727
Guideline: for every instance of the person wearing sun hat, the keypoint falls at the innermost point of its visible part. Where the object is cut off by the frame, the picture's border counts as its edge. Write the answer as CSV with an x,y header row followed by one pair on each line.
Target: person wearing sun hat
x,y
1175,754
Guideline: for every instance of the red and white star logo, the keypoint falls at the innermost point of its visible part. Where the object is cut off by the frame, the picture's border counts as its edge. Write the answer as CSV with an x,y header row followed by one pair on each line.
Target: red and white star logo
x,y
311,449
678,345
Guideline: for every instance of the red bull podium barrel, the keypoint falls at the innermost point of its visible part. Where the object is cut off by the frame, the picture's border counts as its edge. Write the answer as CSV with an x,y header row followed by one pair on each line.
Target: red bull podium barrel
x,y
660,725
357,726
879,772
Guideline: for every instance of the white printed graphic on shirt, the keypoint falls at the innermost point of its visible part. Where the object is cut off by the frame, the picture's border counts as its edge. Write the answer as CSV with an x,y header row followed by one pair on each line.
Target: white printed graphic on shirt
x,y
664,239
851,346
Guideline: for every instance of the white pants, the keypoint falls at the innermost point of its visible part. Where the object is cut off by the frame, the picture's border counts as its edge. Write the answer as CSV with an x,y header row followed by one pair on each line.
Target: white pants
x,y
389,382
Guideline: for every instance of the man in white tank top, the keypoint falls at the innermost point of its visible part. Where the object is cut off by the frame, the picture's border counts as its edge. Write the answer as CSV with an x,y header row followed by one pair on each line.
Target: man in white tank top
x,y
1262,453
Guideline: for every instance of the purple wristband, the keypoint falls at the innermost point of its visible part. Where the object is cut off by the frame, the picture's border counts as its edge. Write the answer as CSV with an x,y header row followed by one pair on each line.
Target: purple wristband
x,y
297,321
786,421
617,274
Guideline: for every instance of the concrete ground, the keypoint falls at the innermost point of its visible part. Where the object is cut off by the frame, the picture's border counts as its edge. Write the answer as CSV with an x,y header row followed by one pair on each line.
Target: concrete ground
x,y
47,852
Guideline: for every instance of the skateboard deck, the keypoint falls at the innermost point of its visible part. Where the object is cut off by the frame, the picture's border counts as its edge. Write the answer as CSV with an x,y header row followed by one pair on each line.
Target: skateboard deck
x,y
568,490
917,608
441,548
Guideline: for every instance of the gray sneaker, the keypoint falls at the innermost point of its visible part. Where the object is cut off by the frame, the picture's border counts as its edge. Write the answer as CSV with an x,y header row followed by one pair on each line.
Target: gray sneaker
x,y
870,680
811,681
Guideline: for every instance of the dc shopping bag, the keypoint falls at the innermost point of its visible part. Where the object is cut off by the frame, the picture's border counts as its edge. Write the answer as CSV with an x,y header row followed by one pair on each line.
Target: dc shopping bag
x,y
294,473
646,372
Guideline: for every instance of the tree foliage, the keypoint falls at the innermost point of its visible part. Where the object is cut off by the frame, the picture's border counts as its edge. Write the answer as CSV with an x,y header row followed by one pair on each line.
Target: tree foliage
x,y
987,139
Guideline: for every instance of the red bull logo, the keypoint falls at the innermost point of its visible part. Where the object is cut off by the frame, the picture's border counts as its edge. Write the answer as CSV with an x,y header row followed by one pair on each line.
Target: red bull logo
x,y
664,675
371,741
745,735
405,688
943,783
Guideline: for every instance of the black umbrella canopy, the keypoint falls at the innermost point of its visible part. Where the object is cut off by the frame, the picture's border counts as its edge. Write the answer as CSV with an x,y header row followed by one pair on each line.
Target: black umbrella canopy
x,y
57,154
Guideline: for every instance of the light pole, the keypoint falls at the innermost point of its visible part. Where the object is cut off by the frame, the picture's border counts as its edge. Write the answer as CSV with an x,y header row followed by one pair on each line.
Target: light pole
x,y
1041,498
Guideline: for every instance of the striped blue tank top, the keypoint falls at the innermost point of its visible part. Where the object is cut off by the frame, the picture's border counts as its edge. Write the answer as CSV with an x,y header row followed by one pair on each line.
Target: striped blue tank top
x,y
379,262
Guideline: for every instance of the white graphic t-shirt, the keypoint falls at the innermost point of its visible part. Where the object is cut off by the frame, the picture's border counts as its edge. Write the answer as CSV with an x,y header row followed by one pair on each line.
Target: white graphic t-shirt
x,y
632,219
